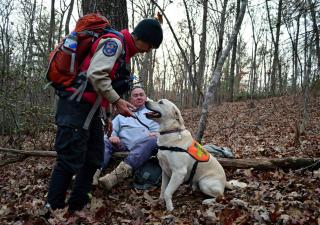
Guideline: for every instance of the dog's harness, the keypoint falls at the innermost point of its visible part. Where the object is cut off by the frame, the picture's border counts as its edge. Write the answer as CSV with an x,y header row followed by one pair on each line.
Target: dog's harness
x,y
196,151
171,131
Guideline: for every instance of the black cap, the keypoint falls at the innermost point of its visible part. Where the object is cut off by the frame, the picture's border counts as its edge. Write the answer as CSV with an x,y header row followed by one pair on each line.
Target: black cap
x,y
150,31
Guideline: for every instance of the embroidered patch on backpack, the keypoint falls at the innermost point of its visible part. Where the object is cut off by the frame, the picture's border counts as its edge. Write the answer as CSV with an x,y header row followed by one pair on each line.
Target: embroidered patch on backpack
x,y
110,48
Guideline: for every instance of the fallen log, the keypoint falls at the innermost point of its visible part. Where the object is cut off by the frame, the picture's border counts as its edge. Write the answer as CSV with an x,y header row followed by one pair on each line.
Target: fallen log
x,y
271,163
256,163
29,153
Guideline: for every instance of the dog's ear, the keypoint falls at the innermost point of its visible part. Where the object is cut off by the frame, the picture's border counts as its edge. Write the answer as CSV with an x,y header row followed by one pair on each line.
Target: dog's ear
x,y
177,114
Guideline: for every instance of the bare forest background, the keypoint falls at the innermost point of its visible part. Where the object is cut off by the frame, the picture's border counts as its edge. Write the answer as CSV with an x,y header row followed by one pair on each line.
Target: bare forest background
x,y
213,51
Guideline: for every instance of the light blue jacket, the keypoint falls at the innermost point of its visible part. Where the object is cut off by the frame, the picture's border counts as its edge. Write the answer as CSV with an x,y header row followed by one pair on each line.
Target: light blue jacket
x,y
129,129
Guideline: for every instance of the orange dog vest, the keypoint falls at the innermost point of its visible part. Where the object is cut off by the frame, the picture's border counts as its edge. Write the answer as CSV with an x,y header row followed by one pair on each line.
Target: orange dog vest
x,y
198,152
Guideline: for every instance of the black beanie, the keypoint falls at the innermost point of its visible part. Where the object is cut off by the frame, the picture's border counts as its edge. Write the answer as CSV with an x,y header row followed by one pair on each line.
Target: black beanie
x,y
150,31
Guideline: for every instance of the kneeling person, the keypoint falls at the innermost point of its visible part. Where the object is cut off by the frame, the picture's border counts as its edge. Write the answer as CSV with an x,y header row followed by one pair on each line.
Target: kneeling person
x,y
136,135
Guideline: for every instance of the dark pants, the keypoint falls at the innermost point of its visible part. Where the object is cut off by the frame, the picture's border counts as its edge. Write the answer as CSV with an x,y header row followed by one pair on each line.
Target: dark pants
x,y
79,152
140,152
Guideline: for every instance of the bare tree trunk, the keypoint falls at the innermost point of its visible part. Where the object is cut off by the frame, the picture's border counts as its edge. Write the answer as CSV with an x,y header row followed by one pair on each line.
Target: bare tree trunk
x,y
275,41
114,10
220,43
295,55
151,72
221,32
276,52
69,17
316,33
217,73
254,62
5,61
265,66
52,24
202,53
307,71
233,60
192,55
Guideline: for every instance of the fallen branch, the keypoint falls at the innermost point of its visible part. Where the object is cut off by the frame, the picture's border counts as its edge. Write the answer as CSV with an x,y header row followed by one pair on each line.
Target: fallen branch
x,y
270,163
263,163
29,153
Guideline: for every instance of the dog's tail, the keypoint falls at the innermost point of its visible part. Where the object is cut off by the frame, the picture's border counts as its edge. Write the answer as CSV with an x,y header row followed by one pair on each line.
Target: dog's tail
x,y
235,184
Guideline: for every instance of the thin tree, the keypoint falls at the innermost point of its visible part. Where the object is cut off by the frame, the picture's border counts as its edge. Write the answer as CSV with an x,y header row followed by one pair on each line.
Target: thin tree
x,y
202,53
275,40
69,17
312,6
51,29
212,88
233,59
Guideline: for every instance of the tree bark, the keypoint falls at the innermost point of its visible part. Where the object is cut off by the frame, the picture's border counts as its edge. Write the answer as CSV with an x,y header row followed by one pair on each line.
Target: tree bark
x,y
115,11
202,53
263,164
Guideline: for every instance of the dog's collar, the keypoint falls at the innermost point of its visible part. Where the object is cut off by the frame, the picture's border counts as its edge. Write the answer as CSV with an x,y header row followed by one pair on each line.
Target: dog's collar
x,y
171,131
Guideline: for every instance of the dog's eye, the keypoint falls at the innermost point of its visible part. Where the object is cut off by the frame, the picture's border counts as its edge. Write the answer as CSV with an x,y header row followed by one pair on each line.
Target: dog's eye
x,y
160,102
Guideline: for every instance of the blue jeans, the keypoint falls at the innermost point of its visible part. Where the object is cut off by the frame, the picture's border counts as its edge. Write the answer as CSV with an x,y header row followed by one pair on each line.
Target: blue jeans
x,y
139,153
79,152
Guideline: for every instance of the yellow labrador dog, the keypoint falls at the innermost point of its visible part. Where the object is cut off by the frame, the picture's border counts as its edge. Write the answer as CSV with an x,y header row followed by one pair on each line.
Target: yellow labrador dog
x,y
177,165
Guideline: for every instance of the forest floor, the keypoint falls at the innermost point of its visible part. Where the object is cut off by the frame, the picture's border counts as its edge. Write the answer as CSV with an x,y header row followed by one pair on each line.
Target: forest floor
x,y
266,128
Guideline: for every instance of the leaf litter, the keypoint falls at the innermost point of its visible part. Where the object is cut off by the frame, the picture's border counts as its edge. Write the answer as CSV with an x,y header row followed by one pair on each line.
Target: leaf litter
x,y
253,129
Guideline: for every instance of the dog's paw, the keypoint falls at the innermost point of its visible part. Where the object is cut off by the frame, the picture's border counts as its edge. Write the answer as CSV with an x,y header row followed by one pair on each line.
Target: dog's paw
x,y
170,209
209,201
169,206
236,184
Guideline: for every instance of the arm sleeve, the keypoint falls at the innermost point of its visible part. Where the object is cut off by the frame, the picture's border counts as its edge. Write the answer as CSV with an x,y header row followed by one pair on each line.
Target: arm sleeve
x,y
100,67
154,127
115,126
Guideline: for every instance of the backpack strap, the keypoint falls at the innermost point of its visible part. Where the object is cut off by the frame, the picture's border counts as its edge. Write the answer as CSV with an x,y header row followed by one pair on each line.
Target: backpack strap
x,y
83,82
92,112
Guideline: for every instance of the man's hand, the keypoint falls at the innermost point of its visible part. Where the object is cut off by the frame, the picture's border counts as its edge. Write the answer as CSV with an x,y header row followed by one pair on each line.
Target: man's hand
x,y
114,140
153,134
124,108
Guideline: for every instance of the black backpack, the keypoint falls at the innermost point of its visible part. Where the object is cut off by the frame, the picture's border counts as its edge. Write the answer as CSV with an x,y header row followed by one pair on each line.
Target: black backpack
x,y
148,175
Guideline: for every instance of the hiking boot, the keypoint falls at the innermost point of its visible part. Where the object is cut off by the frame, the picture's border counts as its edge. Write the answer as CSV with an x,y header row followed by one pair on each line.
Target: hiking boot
x,y
96,176
122,171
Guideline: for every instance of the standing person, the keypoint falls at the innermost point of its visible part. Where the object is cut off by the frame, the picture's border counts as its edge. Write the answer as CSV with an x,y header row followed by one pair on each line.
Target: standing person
x,y
80,151
137,134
